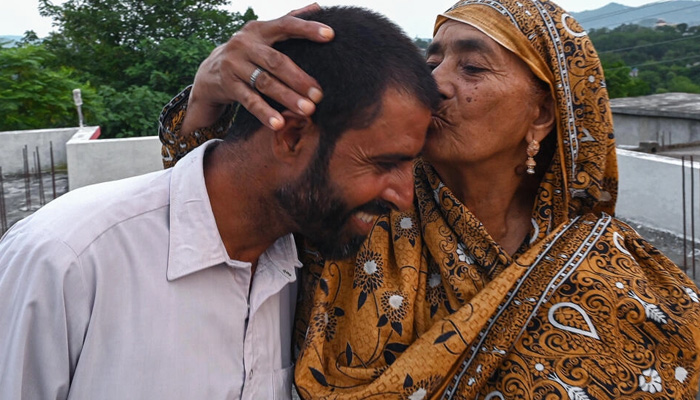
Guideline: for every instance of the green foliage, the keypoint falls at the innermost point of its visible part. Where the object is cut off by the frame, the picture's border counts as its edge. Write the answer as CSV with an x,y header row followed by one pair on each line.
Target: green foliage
x,y
129,57
104,38
681,83
422,43
170,65
133,112
665,59
620,83
33,96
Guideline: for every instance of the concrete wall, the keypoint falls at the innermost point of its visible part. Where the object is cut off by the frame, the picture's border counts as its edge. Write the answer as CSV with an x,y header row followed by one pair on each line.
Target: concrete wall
x,y
95,161
630,130
651,186
12,143
651,191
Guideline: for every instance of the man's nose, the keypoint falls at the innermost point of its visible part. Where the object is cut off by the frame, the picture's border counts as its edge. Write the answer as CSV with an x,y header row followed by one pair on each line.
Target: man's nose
x,y
399,192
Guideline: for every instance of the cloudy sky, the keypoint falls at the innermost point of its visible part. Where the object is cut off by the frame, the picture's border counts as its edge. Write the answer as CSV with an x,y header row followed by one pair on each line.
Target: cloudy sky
x,y
414,16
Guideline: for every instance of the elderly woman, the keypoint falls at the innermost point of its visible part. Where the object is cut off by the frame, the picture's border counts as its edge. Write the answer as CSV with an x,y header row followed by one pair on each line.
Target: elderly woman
x,y
510,278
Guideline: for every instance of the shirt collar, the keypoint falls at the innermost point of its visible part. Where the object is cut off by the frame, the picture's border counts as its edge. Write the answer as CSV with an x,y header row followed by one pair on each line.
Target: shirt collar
x,y
195,243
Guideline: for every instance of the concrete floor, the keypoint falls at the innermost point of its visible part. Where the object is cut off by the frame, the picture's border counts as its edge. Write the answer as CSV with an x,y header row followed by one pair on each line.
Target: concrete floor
x,y
674,248
15,195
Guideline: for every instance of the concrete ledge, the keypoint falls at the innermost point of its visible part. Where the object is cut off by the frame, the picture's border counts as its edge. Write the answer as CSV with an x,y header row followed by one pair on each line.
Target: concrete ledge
x,y
95,161
13,142
664,105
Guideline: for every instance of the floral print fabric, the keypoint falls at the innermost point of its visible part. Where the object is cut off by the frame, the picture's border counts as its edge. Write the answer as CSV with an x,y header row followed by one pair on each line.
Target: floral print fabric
x,y
591,311
432,307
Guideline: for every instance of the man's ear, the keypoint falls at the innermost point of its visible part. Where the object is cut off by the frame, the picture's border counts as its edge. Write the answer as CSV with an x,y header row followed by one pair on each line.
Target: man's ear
x,y
298,138
544,121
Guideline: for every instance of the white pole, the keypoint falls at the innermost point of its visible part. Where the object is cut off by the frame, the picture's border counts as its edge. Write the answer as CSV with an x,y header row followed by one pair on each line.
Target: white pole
x,y
78,100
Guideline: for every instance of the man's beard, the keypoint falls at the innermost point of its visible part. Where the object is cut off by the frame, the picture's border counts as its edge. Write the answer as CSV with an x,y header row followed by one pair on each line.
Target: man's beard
x,y
319,212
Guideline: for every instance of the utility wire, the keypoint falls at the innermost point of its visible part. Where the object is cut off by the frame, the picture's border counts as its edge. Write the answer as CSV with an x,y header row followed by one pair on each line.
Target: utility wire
x,y
650,16
650,44
655,62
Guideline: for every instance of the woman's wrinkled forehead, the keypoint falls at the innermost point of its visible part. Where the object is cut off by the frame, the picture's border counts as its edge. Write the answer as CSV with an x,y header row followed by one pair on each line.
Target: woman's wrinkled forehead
x,y
494,20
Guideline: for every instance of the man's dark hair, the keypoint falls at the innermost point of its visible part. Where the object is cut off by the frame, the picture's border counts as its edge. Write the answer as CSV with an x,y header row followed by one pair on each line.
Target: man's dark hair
x,y
368,55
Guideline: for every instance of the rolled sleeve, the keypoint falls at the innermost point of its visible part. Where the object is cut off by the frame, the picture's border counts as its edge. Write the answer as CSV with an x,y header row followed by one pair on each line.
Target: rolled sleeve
x,y
175,144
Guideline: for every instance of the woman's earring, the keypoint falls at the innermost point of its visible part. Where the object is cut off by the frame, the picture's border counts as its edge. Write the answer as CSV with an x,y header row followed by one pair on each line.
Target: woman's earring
x,y
532,149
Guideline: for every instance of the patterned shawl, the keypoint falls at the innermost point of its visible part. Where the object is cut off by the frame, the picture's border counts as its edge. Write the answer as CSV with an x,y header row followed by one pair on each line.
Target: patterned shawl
x,y
433,307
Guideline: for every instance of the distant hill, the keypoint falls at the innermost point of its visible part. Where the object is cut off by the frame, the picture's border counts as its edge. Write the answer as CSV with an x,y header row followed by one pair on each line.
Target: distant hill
x,y
9,38
614,14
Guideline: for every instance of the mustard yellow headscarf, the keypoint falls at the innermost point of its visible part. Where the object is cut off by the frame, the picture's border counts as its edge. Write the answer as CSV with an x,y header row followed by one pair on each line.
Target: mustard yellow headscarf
x,y
583,174
432,307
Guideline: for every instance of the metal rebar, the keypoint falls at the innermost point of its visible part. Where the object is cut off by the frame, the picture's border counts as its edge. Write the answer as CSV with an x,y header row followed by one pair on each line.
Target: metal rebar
x,y
42,196
3,209
27,192
34,173
692,210
53,170
685,230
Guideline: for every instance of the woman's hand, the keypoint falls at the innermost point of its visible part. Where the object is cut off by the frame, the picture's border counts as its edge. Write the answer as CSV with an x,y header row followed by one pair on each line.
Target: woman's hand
x,y
224,77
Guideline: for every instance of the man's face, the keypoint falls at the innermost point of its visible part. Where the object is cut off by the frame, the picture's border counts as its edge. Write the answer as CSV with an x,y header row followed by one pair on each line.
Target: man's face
x,y
336,201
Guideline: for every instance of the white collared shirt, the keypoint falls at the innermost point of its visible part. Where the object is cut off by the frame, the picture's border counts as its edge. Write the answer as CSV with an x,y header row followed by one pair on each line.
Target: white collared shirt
x,y
124,290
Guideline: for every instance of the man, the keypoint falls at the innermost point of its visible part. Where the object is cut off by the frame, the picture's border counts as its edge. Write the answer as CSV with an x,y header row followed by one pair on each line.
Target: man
x,y
181,283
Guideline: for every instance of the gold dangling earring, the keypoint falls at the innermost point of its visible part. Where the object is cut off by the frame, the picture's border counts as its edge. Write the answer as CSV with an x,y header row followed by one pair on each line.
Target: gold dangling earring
x,y
532,149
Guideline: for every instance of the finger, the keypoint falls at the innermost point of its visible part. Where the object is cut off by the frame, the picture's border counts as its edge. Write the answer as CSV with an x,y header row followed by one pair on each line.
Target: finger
x,y
289,27
232,81
310,7
257,106
285,70
281,93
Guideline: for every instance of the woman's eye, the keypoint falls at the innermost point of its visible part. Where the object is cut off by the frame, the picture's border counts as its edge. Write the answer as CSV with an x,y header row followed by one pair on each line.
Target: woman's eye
x,y
472,69
387,166
432,65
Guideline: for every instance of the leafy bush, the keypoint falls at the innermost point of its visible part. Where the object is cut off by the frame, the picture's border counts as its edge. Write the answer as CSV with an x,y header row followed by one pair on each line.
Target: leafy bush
x,y
34,96
129,57
133,112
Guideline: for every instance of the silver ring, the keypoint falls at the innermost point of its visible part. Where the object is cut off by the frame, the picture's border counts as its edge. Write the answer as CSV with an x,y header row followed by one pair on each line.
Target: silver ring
x,y
254,77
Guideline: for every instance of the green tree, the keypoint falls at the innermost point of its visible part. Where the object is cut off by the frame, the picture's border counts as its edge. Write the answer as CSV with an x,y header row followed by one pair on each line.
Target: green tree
x,y
105,37
422,43
138,53
664,57
133,112
169,65
681,83
33,96
620,83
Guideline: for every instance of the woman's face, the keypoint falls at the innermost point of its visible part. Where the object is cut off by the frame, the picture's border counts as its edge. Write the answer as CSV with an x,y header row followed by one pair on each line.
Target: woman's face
x,y
489,100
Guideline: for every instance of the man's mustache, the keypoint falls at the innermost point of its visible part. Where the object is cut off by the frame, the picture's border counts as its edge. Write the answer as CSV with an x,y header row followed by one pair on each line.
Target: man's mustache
x,y
376,207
